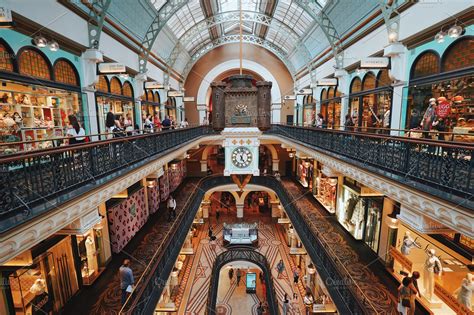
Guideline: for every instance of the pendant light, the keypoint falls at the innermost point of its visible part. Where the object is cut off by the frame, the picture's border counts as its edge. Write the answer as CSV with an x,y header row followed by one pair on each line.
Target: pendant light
x,y
40,42
439,37
455,31
53,45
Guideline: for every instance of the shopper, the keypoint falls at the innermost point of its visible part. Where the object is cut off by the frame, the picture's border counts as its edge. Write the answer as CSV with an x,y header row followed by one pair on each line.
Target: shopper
x,y
126,279
209,233
406,294
171,208
166,123
231,274
260,309
76,133
111,125
348,123
157,122
148,125
296,275
128,125
239,275
286,305
280,267
319,120
184,123
308,302
260,276
218,214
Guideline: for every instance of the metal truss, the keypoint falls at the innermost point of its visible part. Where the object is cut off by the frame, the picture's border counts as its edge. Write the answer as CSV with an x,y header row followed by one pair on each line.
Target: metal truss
x,y
164,14
391,17
97,14
316,12
246,38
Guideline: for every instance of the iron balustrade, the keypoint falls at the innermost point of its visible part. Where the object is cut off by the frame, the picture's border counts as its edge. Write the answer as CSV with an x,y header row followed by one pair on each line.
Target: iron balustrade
x,y
247,254
349,298
35,182
436,167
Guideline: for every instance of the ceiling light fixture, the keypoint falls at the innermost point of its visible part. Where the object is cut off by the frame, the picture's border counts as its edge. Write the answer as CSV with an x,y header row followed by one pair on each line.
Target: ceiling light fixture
x,y
53,46
439,37
455,31
40,42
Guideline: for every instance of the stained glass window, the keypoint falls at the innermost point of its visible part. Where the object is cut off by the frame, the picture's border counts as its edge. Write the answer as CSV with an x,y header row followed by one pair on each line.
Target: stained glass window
x,y
356,85
6,59
103,86
32,63
369,81
460,55
115,86
64,73
427,64
127,89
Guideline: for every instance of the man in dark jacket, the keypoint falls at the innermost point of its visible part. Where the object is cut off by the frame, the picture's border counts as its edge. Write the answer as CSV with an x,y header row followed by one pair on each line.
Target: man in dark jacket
x,y
166,123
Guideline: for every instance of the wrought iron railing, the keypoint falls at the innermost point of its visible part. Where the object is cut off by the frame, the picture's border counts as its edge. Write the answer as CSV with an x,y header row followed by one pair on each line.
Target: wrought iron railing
x,y
35,182
246,254
436,167
349,297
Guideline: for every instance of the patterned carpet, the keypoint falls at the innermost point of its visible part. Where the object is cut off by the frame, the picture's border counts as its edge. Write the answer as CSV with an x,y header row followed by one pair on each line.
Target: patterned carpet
x,y
375,293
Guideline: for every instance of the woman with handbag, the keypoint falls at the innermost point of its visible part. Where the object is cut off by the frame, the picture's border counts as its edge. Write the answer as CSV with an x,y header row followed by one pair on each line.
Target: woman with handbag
x,y
406,297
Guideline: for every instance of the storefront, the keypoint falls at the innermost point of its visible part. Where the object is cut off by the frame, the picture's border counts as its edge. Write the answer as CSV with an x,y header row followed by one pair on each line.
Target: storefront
x,y
359,211
171,108
325,187
112,96
150,105
440,283
308,110
370,102
449,79
331,107
305,172
36,97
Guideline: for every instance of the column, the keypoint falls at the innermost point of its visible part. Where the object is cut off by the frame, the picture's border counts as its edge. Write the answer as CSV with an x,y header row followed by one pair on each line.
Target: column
x,y
299,110
203,165
343,87
139,90
276,113
275,165
240,210
90,58
202,110
179,110
398,74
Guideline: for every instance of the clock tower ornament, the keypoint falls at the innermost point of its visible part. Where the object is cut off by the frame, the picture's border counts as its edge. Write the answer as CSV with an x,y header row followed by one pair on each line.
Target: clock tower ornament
x,y
241,150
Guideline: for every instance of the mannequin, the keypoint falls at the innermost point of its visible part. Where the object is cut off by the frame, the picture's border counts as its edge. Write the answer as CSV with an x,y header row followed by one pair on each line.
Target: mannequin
x,y
429,115
41,303
90,252
432,266
408,244
464,293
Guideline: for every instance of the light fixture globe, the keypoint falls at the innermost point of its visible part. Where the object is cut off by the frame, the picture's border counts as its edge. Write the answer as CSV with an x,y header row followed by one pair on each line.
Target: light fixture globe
x,y
455,31
392,36
53,46
40,41
439,37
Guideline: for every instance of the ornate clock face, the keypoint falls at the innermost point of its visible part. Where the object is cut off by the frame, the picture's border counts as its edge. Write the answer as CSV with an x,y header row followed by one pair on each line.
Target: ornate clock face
x,y
241,157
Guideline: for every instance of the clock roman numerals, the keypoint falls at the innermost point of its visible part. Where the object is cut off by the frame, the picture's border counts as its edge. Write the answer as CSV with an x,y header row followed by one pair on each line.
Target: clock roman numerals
x,y
241,157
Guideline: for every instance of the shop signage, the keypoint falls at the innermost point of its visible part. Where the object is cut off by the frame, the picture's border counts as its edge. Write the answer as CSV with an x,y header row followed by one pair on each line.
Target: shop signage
x,y
290,97
327,82
111,67
175,94
405,262
451,300
374,63
154,85
188,99
305,92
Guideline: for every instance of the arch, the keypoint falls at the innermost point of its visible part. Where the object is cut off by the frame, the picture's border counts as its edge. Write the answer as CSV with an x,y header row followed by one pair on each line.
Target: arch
x,y
7,59
103,85
272,150
324,94
427,63
127,89
356,85
33,62
308,99
369,82
383,79
235,64
156,98
459,55
115,86
330,93
149,96
247,189
65,72
337,93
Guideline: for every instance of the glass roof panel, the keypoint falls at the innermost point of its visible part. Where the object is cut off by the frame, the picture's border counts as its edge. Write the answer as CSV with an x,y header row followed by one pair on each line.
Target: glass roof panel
x,y
292,15
233,5
185,18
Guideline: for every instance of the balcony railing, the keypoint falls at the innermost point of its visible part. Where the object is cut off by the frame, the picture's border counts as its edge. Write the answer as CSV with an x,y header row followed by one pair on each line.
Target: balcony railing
x,y
349,298
37,181
437,167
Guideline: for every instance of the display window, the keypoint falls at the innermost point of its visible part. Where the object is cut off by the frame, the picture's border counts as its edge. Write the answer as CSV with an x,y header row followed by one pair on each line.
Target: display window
x,y
304,172
171,108
112,96
360,212
30,111
150,105
444,284
308,110
331,107
326,191
448,82
370,102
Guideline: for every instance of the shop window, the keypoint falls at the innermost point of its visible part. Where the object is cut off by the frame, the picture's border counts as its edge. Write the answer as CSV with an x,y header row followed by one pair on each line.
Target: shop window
x,y
356,85
65,73
32,63
330,93
383,79
127,89
143,97
103,85
369,81
426,64
149,96
156,98
115,86
6,58
459,55
324,94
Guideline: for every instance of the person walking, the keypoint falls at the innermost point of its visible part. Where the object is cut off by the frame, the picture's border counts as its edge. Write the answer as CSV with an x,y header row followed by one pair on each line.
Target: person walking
x,y
171,208
260,275
280,267
308,302
126,279
260,309
218,214
296,275
231,274
239,275
406,293
209,232
286,305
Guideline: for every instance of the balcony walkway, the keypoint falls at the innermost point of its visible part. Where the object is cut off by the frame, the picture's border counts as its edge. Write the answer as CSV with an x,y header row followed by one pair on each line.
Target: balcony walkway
x,y
103,297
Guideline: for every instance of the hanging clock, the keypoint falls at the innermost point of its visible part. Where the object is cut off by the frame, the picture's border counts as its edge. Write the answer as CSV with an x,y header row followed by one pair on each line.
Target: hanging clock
x,y
241,157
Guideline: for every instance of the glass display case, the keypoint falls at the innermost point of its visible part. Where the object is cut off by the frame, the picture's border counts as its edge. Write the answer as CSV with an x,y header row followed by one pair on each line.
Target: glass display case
x,y
91,254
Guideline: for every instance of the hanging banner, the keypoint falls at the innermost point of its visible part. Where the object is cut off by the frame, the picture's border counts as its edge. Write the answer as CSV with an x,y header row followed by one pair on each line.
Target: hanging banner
x,y
112,67
374,63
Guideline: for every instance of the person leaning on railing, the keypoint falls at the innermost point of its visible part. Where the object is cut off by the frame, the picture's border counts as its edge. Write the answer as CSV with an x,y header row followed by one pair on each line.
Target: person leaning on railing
x,y
76,133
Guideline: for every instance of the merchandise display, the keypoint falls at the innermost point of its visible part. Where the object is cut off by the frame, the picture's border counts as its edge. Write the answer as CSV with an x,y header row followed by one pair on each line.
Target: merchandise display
x,y
331,107
89,247
305,173
326,192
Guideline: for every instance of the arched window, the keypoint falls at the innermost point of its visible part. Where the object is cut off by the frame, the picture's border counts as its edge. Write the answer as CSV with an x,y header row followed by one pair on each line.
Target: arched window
x,y
356,85
156,98
425,65
127,89
330,93
369,81
6,58
459,55
103,84
64,72
32,63
324,94
383,79
149,96
115,86
337,94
